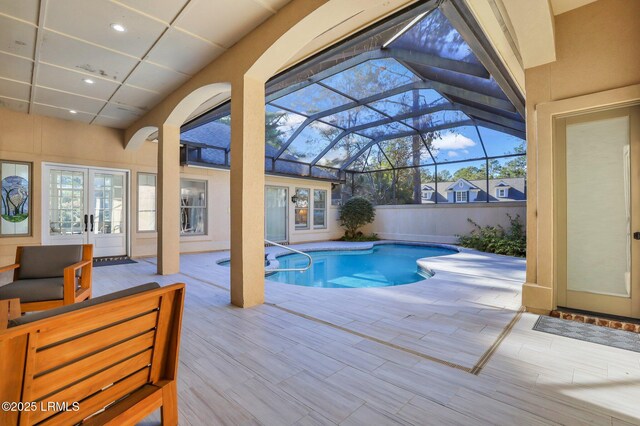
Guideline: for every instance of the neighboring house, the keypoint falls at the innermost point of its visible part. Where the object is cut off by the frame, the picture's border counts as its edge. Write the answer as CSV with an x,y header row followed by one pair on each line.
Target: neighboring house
x,y
466,191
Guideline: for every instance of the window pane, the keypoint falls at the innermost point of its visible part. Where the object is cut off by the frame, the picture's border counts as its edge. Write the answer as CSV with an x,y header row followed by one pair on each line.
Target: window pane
x,y
193,209
343,150
406,102
215,133
311,141
302,208
371,77
436,36
498,143
311,99
279,126
460,143
319,208
146,202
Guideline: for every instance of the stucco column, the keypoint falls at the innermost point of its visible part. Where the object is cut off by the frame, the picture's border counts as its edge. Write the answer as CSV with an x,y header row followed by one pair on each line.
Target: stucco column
x,y
247,192
168,199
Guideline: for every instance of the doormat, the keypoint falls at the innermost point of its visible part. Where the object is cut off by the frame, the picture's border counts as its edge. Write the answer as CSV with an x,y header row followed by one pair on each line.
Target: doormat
x,y
621,339
110,261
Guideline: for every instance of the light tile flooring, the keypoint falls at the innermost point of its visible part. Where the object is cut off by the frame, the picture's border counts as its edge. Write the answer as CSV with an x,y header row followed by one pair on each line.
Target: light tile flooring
x,y
395,355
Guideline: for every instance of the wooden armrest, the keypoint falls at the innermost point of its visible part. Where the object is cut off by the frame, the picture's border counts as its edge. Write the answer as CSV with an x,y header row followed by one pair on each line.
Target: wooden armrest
x,y
79,265
9,267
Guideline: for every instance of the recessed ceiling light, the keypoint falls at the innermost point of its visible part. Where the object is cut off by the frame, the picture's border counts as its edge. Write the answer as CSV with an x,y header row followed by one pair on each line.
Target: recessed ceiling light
x,y
87,80
73,111
118,27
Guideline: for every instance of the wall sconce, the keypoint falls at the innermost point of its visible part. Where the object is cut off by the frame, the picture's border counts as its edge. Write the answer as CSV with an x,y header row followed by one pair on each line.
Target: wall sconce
x,y
294,199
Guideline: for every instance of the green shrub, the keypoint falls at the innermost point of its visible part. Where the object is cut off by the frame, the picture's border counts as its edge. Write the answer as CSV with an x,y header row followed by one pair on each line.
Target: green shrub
x,y
360,237
495,239
355,213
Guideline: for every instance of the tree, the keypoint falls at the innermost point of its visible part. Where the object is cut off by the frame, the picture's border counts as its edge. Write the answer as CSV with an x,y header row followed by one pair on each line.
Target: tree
x,y
470,173
355,213
444,176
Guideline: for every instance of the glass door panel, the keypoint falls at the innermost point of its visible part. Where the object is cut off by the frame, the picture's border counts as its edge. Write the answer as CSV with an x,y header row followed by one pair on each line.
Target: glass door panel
x,y
64,221
597,209
276,209
107,213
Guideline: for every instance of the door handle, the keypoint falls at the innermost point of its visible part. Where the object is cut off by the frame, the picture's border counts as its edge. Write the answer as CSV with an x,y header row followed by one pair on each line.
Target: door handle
x,y
636,235
91,220
86,221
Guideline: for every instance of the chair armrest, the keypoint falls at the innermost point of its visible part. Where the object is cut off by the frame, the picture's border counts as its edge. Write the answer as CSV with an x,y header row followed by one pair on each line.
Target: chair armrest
x,y
78,265
9,267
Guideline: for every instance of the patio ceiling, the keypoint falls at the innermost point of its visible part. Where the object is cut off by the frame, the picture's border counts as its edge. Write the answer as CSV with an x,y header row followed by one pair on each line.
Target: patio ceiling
x,y
61,56
421,84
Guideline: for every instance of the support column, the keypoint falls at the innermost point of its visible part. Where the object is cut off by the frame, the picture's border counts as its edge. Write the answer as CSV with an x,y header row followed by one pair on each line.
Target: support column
x,y
247,192
168,199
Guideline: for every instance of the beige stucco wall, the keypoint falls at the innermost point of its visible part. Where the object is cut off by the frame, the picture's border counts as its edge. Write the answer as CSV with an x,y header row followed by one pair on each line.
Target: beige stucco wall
x,y
597,50
39,140
441,223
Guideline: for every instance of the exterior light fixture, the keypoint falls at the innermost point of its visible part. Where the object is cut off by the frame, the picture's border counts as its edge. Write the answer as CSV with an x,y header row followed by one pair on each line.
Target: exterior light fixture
x,y
294,199
73,111
88,80
118,27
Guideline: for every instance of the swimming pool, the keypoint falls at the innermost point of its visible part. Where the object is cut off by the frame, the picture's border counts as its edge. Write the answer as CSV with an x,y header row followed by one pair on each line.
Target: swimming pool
x,y
381,266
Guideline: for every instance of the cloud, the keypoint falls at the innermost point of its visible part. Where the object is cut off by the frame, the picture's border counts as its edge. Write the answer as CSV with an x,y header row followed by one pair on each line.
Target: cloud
x,y
452,154
453,141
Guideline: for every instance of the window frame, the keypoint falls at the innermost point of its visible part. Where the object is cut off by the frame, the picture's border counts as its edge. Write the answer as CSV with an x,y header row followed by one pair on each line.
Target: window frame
x,y
205,208
502,192
324,210
306,226
460,200
138,211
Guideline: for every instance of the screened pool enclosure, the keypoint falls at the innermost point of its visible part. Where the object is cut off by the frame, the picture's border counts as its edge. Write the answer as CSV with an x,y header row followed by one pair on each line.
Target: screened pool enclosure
x,y
419,98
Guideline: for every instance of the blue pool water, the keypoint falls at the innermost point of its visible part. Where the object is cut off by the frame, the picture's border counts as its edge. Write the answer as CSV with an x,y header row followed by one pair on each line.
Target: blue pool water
x,y
383,265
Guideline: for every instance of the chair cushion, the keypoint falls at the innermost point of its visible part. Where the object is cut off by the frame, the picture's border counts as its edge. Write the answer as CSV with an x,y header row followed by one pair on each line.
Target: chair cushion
x,y
28,318
34,290
47,261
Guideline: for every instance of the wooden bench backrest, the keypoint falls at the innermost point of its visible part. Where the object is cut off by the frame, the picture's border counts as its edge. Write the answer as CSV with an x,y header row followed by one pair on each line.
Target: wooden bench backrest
x,y
92,356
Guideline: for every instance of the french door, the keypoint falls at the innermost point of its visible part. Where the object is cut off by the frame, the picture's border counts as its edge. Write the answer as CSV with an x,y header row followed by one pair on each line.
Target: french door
x,y
85,206
598,211
276,213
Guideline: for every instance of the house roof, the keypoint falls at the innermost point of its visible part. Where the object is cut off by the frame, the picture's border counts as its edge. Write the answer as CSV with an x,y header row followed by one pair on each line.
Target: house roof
x,y
463,185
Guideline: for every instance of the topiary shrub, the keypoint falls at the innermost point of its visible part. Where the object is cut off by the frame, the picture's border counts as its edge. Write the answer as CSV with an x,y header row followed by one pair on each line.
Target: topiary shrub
x,y
355,213
495,239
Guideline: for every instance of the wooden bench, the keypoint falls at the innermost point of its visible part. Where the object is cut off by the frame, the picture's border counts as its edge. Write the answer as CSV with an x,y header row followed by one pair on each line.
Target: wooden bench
x,y
109,360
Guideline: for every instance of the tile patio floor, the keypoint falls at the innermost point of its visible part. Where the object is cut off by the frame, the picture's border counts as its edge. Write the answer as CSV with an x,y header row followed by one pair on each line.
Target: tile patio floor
x,y
396,355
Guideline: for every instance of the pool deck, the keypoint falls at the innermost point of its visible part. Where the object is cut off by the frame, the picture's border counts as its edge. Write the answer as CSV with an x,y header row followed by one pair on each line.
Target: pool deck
x,y
452,349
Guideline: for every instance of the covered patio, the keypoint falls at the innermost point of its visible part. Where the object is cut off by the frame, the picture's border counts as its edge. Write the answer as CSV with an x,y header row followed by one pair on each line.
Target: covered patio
x,y
399,355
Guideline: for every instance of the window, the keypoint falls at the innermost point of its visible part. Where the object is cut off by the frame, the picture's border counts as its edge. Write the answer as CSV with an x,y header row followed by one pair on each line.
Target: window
x,y
502,192
462,196
427,194
146,202
193,207
319,208
302,208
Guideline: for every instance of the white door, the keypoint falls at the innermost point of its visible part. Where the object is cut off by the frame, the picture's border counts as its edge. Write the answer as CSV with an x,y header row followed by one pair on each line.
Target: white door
x,y
276,206
85,206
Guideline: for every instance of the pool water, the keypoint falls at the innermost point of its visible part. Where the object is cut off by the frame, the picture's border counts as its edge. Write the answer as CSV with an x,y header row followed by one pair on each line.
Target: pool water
x,y
383,265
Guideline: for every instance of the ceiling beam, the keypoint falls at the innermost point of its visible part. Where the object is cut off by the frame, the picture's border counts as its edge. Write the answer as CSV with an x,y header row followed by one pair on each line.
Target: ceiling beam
x,y
462,20
421,58
389,53
42,14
